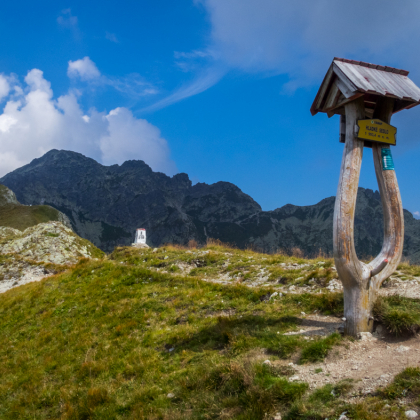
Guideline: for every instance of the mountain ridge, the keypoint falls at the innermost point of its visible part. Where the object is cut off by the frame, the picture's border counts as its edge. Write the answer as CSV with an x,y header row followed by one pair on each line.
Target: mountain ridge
x,y
105,205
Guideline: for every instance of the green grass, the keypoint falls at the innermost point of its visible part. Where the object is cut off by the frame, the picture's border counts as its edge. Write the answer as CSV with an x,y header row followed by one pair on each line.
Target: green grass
x,y
112,338
330,402
398,314
405,385
21,217
318,350
408,269
327,303
238,266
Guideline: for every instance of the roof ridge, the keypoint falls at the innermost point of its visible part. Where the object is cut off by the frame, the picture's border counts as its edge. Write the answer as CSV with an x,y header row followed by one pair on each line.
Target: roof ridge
x,y
373,66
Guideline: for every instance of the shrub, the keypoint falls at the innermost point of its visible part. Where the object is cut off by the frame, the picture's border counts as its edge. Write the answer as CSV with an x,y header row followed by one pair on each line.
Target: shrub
x,y
399,315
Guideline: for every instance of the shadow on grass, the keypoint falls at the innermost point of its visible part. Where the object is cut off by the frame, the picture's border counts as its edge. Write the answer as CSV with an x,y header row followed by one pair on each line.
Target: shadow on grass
x,y
241,334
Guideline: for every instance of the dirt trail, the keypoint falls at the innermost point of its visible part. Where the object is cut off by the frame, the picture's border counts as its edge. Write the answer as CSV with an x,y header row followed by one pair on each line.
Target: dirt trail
x,y
371,363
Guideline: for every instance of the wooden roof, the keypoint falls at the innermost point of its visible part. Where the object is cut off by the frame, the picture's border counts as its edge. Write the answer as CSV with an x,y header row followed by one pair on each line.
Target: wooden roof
x,y
347,80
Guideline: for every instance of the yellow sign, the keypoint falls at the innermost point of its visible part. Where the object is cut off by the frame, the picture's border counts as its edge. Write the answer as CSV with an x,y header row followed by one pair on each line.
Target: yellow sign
x,y
377,130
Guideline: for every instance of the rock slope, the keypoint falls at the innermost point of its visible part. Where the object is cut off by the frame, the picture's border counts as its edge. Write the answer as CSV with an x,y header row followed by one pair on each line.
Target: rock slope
x,y
106,204
39,251
47,242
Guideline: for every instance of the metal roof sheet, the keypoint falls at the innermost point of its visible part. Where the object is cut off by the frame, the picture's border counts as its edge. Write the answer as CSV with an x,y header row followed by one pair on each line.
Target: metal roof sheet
x,y
357,78
382,80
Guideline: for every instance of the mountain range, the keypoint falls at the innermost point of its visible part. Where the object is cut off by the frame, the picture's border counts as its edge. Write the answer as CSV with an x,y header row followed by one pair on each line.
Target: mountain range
x,y
106,204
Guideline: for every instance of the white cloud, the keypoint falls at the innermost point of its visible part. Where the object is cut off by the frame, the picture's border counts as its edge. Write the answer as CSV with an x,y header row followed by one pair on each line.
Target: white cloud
x,y
190,61
4,87
8,162
84,68
204,81
128,136
132,85
301,37
416,214
192,54
6,121
66,19
33,122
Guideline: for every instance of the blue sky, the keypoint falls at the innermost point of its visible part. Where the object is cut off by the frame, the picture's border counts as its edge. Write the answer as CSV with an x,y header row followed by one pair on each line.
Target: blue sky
x,y
219,89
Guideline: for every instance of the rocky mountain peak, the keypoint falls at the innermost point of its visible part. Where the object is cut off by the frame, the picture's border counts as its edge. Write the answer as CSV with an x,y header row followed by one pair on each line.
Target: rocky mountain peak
x,y
106,204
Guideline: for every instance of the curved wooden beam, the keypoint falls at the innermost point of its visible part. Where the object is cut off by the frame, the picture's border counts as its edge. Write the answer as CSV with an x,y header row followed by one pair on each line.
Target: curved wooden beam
x,y
361,281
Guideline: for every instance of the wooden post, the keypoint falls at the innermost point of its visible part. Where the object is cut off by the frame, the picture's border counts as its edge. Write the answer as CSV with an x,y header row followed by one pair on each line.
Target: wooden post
x,y
362,281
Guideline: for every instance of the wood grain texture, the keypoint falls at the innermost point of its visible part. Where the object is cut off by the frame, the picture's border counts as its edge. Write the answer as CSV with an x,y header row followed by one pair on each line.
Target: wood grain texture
x,y
360,290
391,204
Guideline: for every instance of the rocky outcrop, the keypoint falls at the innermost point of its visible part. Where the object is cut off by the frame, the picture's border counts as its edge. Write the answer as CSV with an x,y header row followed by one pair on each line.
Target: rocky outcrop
x,y
39,251
106,204
7,196
47,242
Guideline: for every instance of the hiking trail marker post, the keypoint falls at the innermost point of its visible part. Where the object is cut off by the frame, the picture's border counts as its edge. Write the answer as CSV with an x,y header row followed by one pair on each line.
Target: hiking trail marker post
x,y
365,96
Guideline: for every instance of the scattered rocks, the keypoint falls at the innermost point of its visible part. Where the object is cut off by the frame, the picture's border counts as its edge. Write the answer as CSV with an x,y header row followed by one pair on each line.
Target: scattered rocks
x,y
334,285
170,395
411,414
401,349
364,336
295,332
267,362
401,286
140,245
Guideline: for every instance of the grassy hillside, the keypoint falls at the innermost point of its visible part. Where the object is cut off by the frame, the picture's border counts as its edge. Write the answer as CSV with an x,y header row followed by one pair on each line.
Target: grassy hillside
x,y
21,217
17,216
142,335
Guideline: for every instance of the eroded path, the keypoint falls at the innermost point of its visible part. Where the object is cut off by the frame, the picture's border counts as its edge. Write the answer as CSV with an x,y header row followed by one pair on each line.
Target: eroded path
x,y
370,363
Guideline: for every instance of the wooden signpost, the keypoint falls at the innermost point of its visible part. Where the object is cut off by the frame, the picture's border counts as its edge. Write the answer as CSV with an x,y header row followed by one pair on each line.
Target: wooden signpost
x,y
365,95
